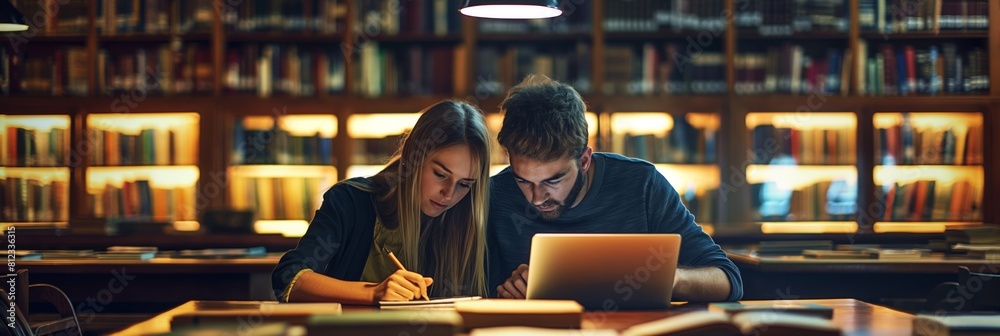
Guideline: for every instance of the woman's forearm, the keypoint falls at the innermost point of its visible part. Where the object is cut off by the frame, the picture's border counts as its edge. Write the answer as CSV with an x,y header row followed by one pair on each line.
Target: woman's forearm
x,y
315,287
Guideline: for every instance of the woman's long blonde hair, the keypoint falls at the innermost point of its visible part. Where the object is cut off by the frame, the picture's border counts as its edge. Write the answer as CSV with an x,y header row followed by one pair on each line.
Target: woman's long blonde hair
x,y
453,244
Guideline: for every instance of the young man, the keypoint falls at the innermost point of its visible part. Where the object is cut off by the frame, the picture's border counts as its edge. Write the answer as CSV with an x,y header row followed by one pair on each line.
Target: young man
x,y
556,183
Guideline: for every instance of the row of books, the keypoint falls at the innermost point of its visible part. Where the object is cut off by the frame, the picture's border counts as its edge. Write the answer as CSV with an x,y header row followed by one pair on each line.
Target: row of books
x,y
150,146
773,145
649,69
929,200
791,69
32,200
392,17
167,69
576,18
154,16
62,71
682,144
30,147
54,16
900,16
500,68
410,70
278,198
138,199
267,69
825,200
278,146
662,15
906,146
786,17
319,16
907,71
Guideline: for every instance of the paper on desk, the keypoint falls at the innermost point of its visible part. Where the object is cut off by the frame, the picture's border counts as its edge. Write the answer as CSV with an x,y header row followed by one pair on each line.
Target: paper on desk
x,y
424,304
505,331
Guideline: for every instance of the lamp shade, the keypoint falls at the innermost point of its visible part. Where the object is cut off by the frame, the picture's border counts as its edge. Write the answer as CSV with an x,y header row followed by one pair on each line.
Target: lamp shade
x,y
10,18
512,9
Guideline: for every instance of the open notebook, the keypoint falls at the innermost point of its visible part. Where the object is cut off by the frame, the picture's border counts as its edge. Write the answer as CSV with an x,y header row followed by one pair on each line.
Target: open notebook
x,y
440,303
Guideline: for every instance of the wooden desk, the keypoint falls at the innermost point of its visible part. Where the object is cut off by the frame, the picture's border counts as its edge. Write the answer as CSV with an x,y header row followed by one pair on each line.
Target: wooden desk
x,y
854,317
104,303
871,280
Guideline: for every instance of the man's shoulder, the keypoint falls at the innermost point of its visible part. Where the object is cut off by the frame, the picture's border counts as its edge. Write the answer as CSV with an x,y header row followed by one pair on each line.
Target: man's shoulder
x,y
627,166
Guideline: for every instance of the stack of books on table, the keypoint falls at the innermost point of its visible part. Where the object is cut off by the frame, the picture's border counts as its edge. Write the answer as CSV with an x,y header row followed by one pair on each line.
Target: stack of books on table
x,y
792,247
128,253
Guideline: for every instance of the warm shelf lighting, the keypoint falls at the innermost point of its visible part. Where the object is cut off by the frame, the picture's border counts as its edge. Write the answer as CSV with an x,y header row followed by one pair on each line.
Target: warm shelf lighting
x,y
917,227
288,228
887,175
187,226
43,175
134,123
166,177
931,120
803,121
808,227
308,125
796,177
363,170
639,123
708,121
512,9
380,125
36,122
272,171
690,176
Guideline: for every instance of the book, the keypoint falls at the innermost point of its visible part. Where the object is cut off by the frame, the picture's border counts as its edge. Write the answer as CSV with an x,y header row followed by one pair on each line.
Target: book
x,y
110,255
809,309
221,253
529,313
762,323
424,323
448,303
823,254
267,329
956,325
267,311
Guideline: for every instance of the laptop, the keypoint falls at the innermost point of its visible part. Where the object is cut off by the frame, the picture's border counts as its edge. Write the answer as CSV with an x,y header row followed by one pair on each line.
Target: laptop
x,y
604,271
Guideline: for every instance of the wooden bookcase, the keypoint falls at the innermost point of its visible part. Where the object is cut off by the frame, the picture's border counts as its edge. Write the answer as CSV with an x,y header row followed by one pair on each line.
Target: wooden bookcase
x,y
218,109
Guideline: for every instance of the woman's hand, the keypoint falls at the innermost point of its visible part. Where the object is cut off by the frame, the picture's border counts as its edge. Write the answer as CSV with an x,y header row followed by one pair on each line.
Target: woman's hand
x,y
402,286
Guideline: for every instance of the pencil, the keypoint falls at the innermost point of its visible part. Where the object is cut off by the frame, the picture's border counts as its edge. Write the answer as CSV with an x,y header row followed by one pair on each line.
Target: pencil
x,y
400,265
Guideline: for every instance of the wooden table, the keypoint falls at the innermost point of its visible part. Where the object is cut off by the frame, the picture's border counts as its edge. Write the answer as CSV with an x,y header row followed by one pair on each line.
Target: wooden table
x,y
870,280
854,317
104,303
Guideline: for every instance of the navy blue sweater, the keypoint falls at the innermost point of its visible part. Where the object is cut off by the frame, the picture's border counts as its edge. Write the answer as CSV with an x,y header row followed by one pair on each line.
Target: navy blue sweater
x,y
627,196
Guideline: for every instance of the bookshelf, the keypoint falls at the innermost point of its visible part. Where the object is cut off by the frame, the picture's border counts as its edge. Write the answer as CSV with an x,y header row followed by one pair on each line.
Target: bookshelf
x,y
351,65
143,167
280,166
928,168
35,168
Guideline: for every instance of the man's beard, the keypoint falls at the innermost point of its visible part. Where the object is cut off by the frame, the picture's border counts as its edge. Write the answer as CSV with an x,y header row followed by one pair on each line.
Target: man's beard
x,y
560,208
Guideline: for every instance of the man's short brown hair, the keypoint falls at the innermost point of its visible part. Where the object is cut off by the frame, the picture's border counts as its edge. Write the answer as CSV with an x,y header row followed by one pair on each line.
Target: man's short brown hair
x,y
543,120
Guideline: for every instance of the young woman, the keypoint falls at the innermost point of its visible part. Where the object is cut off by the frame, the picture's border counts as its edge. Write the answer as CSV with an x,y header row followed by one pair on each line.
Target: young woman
x,y
427,206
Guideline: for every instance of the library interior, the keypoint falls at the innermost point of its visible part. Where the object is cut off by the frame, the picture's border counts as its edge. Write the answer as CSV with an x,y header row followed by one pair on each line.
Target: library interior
x,y
165,165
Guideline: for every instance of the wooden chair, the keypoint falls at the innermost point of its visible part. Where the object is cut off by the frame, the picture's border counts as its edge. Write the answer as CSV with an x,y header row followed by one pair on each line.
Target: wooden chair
x,y
974,292
67,322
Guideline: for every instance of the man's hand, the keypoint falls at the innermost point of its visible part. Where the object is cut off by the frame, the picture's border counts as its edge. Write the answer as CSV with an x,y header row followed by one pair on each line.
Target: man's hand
x,y
516,287
402,286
